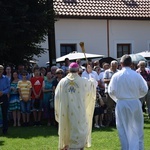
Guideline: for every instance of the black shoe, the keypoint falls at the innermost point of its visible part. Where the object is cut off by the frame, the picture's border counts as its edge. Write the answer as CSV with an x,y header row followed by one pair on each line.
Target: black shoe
x,y
4,132
24,124
35,124
39,123
27,124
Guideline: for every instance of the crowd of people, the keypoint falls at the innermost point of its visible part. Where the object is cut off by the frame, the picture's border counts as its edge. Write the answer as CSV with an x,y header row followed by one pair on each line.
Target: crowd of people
x,y
122,89
23,93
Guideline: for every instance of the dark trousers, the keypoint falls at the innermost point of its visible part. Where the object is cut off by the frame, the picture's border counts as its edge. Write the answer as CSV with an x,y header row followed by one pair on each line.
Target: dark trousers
x,y
110,106
4,108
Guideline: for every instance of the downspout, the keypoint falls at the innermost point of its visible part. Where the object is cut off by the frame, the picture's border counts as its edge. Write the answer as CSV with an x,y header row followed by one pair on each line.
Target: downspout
x,y
51,39
108,50
51,47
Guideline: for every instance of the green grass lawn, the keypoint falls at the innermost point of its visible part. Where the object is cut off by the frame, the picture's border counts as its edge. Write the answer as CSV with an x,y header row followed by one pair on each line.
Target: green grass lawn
x,y
46,138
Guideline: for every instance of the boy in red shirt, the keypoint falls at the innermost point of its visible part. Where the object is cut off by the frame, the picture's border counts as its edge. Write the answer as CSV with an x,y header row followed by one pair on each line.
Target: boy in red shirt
x,y
37,95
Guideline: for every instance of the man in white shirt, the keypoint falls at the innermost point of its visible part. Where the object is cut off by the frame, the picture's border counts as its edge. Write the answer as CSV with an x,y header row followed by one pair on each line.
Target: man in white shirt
x,y
86,74
101,79
125,88
107,77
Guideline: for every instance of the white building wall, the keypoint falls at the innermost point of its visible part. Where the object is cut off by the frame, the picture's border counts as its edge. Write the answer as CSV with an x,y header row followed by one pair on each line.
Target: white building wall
x,y
128,31
91,32
94,35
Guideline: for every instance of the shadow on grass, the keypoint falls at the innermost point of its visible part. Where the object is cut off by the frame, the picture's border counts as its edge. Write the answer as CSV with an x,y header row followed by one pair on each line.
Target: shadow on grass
x,y
147,121
45,131
1,143
30,132
106,129
146,127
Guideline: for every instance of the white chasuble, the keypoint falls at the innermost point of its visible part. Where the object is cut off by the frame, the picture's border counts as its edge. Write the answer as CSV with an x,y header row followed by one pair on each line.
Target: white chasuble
x,y
74,106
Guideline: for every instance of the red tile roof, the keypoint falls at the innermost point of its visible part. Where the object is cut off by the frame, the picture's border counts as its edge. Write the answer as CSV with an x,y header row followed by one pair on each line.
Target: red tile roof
x,y
113,9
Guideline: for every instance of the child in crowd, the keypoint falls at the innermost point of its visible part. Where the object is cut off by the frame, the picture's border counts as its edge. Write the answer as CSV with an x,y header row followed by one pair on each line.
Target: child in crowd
x,y
37,95
24,88
100,106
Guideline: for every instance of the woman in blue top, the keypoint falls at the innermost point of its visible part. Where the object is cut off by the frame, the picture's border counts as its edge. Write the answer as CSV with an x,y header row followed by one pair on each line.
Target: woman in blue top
x,y
14,101
48,95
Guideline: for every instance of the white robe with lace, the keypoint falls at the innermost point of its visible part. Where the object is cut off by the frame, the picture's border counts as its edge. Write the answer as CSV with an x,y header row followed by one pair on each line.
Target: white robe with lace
x,y
125,88
74,107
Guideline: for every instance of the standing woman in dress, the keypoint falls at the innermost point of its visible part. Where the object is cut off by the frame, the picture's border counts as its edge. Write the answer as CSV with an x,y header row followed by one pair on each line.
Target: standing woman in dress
x,y
59,75
14,101
48,91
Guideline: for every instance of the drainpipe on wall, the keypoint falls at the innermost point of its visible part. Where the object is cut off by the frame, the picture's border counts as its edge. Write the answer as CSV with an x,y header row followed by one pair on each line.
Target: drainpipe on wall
x,y
51,47
51,40
108,50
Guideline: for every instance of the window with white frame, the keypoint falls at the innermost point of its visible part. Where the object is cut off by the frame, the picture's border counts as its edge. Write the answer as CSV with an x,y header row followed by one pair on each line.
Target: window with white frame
x,y
123,49
67,48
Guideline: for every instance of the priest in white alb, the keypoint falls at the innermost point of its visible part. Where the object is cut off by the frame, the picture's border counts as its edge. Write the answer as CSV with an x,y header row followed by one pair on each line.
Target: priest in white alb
x,y
74,107
125,88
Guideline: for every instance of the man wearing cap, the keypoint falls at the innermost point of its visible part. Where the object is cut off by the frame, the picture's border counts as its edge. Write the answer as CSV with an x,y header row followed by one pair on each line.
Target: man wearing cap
x,y
74,107
4,90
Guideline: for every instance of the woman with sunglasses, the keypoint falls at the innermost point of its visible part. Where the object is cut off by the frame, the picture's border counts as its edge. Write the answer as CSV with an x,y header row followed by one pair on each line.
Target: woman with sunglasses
x,y
59,75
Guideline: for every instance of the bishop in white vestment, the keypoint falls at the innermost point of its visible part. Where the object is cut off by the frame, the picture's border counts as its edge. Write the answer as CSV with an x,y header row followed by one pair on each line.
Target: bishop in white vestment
x,y
125,88
74,107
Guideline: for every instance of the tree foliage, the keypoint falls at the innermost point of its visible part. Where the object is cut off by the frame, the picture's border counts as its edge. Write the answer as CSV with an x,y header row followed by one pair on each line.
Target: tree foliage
x,y
23,25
